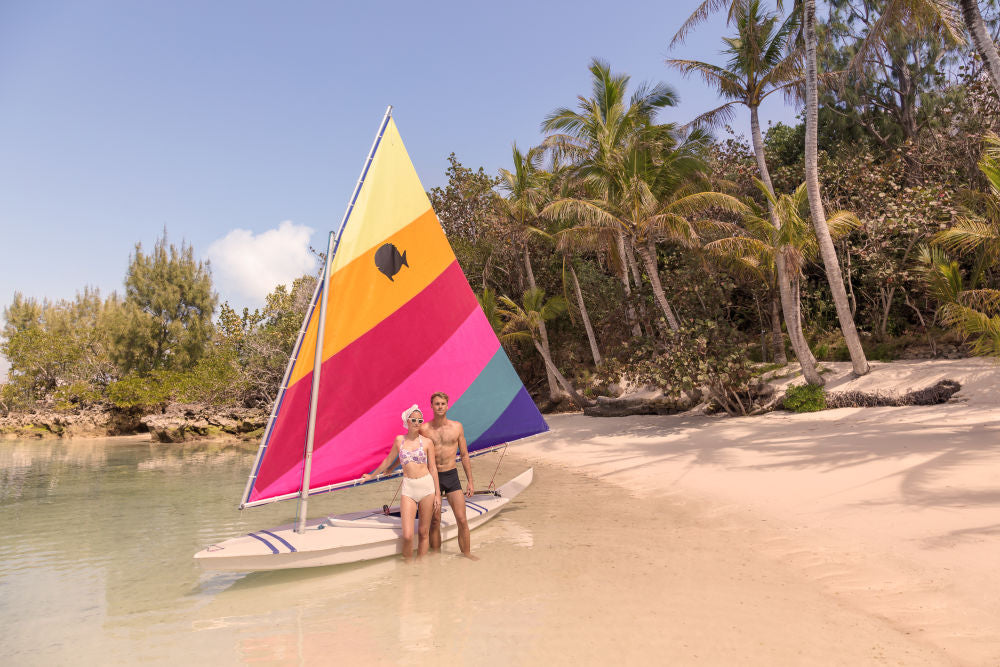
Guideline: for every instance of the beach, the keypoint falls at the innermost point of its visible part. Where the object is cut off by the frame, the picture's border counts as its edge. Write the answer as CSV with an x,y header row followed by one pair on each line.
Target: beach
x,y
889,512
842,537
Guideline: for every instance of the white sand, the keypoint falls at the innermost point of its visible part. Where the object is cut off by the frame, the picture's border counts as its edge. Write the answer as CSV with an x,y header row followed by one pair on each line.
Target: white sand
x,y
892,512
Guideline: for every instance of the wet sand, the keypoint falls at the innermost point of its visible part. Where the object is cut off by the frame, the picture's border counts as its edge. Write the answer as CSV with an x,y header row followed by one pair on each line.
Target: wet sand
x,y
574,572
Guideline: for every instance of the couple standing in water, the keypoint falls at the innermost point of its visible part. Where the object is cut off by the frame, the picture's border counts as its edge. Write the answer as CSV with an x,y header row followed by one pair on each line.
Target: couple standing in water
x,y
427,455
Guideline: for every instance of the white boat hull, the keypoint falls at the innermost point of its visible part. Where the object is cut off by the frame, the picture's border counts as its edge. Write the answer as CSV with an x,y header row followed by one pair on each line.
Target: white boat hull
x,y
344,538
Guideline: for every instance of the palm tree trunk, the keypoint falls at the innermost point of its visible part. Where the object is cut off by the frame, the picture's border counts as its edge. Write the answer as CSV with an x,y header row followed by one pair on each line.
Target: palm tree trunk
x,y
788,297
629,310
982,40
797,296
790,305
654,279
777,339
828,252
554,393
586,318
644,318
580,401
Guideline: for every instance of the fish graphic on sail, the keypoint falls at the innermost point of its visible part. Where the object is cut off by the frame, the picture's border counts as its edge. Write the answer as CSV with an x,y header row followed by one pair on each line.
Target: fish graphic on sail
x,y
401,323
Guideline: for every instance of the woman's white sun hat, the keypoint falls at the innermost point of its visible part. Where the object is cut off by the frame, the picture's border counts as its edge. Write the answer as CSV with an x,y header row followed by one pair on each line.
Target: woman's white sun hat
x,y
409,411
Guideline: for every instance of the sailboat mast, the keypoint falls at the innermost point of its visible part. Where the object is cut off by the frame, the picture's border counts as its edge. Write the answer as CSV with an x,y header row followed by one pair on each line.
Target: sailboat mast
x,y
331,250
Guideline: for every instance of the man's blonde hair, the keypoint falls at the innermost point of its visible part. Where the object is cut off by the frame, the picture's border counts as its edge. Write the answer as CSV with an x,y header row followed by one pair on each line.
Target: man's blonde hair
x,y
439,394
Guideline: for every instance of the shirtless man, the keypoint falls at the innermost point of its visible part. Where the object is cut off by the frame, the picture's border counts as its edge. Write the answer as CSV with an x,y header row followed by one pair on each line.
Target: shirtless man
x,y
449,440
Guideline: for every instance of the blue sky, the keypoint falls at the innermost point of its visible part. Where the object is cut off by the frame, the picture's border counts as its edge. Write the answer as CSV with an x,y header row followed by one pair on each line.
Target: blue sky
x,y
120,118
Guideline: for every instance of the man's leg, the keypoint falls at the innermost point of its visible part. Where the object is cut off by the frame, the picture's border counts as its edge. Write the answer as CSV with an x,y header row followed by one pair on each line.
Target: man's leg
x,y
456,499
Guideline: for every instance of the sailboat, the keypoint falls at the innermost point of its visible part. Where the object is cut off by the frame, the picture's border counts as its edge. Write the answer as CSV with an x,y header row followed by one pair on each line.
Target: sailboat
x,y
393,320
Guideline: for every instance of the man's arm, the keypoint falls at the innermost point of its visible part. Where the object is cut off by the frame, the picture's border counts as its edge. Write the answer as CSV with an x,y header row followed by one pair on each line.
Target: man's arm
x,y
463,450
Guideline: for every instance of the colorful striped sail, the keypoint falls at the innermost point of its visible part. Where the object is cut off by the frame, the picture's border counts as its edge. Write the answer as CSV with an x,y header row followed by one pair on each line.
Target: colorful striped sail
x,y
402,323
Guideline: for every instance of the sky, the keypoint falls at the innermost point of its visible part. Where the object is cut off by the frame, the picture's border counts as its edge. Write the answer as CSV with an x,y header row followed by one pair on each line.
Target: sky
x,y
240,126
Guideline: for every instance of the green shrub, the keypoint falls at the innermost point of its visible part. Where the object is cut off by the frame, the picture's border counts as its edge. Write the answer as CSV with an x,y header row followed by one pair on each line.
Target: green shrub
x,y
704,355
805,398
142,392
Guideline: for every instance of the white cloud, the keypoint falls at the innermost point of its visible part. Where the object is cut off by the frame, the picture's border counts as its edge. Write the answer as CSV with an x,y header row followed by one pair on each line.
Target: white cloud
x,y
246,268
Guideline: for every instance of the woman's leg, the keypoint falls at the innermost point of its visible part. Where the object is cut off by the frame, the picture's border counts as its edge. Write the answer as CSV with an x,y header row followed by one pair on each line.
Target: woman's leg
x,y
407,513
426,511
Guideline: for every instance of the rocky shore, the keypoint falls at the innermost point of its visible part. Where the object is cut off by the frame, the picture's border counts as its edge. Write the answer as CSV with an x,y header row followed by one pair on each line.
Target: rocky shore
x,y
178,422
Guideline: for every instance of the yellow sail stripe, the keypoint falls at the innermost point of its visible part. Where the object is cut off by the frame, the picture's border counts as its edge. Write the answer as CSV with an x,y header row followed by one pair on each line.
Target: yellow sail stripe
x,y
361,296
390,198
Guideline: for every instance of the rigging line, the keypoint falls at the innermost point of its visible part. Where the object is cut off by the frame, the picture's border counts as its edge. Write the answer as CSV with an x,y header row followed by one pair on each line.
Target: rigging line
x,y
503,453
386,508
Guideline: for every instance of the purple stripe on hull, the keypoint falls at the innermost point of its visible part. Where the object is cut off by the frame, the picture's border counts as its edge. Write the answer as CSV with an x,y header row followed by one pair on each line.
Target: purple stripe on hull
x,y
291,549
270,546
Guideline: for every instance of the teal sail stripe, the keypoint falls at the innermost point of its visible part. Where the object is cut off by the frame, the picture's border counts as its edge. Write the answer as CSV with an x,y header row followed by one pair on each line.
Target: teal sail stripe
x,y
487,397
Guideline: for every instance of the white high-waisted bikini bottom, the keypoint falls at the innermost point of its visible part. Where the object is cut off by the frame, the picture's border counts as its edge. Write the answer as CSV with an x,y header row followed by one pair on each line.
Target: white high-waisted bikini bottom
x,y
418,488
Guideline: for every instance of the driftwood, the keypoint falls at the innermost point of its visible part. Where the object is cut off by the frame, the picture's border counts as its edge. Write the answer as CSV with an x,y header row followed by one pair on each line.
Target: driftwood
x,y
626,407
933,395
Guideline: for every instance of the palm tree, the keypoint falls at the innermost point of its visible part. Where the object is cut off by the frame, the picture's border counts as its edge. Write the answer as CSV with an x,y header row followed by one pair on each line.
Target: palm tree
x,y
648,191
560,185
807,9
982,40
751,256
759,65
827,251
600,127
757,250
567,245
523,322
525,188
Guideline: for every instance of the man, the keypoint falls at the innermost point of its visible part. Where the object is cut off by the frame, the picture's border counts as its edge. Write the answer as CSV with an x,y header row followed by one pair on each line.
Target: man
x,y
449,441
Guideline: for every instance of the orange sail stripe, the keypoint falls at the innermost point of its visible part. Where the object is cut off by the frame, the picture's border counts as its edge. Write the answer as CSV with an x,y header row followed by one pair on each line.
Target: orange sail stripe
x,y
360,303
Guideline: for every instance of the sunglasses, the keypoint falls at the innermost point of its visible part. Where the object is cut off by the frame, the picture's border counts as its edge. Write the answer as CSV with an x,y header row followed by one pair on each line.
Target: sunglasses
x,y
416,421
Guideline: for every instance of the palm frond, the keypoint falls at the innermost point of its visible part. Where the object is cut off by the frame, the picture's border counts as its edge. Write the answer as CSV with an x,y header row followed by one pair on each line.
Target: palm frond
x,y
699,16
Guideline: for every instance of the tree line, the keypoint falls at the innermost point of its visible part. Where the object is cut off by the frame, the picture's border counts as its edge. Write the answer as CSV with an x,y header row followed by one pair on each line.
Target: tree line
x,y
625,250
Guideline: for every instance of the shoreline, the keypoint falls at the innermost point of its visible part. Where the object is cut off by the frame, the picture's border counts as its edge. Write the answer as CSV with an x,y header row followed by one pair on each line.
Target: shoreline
x,y
186,423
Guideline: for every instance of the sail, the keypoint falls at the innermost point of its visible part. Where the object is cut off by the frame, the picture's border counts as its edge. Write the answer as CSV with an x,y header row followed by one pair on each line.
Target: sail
x,y
402,323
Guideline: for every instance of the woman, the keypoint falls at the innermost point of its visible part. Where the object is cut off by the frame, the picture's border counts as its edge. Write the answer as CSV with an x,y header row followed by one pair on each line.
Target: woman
x,y
420,480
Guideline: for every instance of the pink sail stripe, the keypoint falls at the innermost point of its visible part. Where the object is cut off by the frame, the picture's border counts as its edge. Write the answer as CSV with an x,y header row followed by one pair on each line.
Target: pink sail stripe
x,y
362,445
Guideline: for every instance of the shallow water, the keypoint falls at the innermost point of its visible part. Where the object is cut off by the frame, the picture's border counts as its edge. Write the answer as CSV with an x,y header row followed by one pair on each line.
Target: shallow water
x,y
96,568
96,556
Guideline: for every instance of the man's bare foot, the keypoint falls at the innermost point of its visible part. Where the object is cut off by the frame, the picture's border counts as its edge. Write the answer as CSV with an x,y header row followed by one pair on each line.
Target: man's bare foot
x,y
471,556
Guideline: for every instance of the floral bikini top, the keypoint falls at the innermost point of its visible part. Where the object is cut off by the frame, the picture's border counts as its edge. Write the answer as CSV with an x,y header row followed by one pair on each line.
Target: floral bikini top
x,y
417,455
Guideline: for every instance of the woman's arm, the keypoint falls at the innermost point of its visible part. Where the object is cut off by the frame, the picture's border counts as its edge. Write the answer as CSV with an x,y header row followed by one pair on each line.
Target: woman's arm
x,y
387,462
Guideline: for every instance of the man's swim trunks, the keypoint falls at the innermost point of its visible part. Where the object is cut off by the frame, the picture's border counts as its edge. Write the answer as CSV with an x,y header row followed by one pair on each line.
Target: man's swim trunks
x,y
449,481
